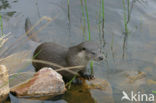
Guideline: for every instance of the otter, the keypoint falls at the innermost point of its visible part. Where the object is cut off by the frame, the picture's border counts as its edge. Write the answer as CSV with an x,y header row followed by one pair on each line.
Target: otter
x,y
76,55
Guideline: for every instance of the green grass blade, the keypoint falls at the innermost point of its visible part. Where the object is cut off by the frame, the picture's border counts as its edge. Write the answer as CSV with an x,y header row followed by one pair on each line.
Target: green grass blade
x,y
154,92
88,22
84,20
125,17
68,10
70,82
1,23
91,67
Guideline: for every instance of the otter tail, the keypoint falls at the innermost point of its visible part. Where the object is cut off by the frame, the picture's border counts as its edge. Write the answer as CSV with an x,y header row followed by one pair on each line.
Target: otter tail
x,y
32,34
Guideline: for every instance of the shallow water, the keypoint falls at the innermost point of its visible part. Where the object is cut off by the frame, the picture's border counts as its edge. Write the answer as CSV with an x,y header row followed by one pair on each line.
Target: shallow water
x,y
126,53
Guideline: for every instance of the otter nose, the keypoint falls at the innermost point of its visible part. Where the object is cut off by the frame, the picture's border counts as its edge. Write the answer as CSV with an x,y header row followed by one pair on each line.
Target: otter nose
x,y
100,58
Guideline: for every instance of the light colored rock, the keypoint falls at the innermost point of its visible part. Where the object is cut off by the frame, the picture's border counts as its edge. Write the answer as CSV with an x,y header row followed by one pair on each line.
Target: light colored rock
x,y
4,83
46,82
100,87
133,79
100,84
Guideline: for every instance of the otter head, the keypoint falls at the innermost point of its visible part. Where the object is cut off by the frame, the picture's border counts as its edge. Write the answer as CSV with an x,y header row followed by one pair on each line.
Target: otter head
x,y
82,53
91,50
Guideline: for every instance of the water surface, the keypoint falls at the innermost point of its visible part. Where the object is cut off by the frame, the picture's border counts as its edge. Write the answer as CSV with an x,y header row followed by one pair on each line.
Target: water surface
x,y
126,52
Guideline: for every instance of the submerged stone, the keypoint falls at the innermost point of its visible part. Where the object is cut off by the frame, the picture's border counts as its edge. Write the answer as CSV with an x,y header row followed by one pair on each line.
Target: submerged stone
x,y
100,84
90,92
100,87
45,83
4,83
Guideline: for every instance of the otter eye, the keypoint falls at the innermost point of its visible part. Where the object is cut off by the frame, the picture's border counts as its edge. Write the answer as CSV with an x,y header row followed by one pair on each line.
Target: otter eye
x,y
83,48
93,53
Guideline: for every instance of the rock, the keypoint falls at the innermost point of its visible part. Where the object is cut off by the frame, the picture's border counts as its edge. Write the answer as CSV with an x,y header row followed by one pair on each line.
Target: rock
x,y
100,84
93,91
45,83
4,83
133,79
100,87
79,94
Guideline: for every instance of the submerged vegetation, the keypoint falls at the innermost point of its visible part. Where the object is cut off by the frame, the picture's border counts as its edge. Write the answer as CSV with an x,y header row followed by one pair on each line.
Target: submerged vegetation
x,y
127,10
125,25
126,16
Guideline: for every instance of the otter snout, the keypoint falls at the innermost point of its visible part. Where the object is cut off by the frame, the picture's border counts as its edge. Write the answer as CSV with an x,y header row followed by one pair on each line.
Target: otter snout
x,y
97,56
100,58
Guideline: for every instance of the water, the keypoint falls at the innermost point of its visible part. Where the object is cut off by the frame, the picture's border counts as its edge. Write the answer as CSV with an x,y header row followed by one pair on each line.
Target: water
x,y
126,52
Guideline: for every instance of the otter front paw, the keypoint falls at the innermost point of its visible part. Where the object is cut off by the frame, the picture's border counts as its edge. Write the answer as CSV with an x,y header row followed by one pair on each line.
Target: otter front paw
x,y
88,76
77,81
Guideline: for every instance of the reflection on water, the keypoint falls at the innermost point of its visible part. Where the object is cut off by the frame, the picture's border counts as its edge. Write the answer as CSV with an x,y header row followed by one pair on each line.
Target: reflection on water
x,y
124,28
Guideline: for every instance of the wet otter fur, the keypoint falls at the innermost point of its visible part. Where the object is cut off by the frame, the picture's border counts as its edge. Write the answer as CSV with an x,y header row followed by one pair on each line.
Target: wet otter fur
x,y
76,55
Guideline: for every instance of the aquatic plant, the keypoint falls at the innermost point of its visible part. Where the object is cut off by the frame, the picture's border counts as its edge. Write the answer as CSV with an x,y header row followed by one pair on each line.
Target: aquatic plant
x,y
68,5
91,66
88,22
4,38
1,23
70,82
84,21
84,25
103,20
154,92
99,22
125,17
49,20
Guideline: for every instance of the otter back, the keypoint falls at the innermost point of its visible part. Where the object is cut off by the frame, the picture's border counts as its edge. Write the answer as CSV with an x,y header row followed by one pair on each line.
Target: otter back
x,y
50,52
